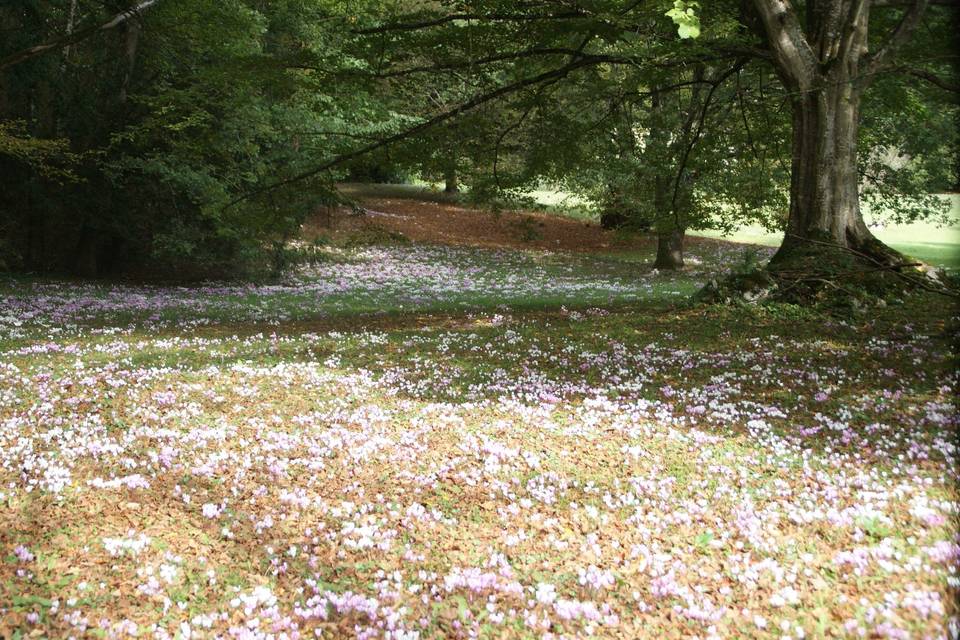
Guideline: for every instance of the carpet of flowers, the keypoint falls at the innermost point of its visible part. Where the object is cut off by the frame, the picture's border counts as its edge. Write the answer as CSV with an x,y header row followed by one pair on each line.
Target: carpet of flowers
x,y
579,473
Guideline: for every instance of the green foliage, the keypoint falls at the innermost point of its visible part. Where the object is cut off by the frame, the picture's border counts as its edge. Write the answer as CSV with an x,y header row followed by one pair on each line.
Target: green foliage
x,y
50,158
161,127
750,261
684,15
909,129
155,148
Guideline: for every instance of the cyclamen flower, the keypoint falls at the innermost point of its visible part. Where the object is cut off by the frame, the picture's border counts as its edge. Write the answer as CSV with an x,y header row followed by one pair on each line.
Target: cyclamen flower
x,y
210,510
925,603
546,593
133,545
596,578
787,595
574,609
664,586
23,554
943,551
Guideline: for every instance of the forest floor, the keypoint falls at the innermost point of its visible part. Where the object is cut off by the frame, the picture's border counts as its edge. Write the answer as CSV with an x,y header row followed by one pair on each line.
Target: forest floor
x,y
481,438
570,225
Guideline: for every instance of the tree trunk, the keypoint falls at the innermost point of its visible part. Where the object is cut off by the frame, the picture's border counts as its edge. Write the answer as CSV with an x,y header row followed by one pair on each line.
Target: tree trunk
x,y
70,22
670,249
670,229
824,189
451,183
826,68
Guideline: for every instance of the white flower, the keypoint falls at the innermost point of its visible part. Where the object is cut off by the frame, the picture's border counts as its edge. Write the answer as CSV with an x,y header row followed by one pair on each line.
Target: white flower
x,y
787,595
546,593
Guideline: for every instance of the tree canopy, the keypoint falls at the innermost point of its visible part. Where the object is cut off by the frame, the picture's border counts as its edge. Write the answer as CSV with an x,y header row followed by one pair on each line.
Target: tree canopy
x,y
193,137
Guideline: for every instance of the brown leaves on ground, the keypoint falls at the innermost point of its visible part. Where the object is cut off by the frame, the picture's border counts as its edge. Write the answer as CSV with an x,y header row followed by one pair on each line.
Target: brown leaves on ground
x,y
457,224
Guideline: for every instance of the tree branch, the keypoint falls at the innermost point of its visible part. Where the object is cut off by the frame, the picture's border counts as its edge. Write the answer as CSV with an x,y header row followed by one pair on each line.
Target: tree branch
x,y
908,23
500,57
420,128
547,51
932,78
715,83
76,36
453,17
903,4
794,59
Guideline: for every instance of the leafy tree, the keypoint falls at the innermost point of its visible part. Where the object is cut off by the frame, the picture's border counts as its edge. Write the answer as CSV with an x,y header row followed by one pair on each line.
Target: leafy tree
x,y
828,53
824,69
169,116
670,149
201,131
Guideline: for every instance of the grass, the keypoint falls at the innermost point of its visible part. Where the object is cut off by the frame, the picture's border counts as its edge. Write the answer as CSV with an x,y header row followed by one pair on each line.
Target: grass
x,y
385,280
525,444
931,243
418,191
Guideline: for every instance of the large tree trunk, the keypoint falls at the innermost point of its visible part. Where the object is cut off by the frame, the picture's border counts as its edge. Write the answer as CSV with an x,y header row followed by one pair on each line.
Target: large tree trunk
x,y
824,189
670,249
826,67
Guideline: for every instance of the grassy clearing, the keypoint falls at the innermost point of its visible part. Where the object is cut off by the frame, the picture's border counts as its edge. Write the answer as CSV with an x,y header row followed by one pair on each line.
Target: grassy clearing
x,y
385,280
267,461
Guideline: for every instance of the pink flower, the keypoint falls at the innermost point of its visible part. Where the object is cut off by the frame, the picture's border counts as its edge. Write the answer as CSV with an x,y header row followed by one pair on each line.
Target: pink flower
x,y
23,554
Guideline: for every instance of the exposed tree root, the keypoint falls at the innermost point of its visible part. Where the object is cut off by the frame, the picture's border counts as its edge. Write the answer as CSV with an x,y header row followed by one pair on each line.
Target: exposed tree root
x,y
824,274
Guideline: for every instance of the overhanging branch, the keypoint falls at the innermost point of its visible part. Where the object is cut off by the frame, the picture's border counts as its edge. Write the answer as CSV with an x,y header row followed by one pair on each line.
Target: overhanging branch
x,y
901,33
76,36
455,17
932,78
420,128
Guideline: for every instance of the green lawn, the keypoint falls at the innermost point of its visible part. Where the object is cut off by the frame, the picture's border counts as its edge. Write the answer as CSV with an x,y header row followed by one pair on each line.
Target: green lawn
x,y
938,245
